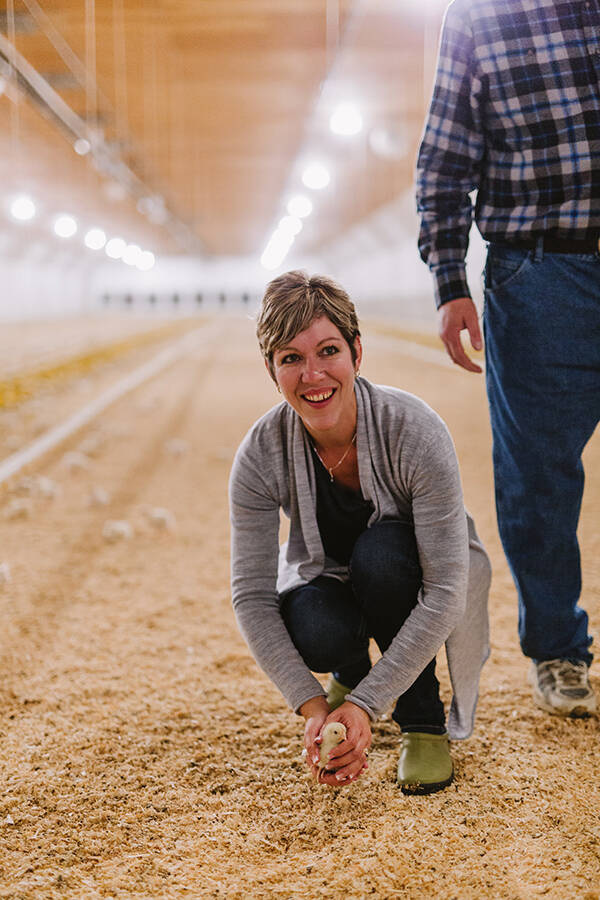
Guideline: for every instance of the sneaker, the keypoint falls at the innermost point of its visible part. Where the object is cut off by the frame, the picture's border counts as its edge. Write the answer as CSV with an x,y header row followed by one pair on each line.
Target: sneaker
x,y
562,687
425,764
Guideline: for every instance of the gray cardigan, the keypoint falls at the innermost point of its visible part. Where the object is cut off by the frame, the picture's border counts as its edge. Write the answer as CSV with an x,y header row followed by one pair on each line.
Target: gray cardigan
x,y
409,471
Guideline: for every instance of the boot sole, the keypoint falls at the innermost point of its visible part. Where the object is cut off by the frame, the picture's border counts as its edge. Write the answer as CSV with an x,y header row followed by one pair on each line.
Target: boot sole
x,y
419,788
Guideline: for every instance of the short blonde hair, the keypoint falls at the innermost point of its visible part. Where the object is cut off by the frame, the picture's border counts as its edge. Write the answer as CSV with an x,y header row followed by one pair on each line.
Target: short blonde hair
x,y
292,301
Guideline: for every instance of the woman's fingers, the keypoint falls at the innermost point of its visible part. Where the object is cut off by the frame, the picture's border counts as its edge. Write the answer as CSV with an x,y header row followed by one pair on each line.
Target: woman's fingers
x,y
312,730
346,762
345,774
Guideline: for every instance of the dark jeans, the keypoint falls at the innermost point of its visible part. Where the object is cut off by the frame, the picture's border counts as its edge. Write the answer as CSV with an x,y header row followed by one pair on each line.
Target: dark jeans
x,y
330,622
542,330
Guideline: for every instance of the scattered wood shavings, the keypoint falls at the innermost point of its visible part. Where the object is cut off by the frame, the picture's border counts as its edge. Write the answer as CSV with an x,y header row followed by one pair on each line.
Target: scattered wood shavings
x,y
194,784
115,530
75,461
18,508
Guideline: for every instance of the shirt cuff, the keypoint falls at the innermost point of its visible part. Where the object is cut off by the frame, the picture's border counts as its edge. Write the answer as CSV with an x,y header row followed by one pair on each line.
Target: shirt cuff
x,y
450,284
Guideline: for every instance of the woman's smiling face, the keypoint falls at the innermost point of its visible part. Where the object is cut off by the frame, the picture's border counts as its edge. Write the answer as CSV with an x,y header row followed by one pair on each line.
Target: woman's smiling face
x,y
315,372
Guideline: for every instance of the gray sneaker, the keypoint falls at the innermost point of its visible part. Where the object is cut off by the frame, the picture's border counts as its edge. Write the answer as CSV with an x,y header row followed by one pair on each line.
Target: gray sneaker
x,y
562,687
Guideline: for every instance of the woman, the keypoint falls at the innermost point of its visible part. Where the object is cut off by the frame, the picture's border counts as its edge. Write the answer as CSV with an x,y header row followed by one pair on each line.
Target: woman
x,y
379,545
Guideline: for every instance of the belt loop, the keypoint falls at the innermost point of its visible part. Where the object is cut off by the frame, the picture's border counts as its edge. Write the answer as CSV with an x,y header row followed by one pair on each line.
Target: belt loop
x,y
539,249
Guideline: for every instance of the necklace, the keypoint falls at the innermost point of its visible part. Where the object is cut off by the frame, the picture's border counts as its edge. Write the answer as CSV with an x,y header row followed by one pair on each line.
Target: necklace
x,y
330,469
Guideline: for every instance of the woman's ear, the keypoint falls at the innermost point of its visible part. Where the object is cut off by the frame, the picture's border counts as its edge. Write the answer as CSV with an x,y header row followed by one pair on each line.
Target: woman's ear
x,y
358,351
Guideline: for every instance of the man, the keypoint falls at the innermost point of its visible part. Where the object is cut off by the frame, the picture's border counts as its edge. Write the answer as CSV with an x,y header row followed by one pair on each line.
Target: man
x,y
515,114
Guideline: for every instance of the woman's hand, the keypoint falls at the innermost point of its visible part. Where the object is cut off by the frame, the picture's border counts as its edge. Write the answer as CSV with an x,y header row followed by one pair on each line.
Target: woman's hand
x,y
348,760
315,712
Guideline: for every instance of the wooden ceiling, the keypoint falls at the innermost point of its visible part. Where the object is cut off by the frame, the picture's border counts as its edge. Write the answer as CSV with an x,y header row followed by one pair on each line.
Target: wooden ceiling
x,y
214,104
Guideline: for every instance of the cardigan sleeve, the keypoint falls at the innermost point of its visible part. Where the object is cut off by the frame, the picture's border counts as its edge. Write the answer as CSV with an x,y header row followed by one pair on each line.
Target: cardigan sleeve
x,y
432,480
254,510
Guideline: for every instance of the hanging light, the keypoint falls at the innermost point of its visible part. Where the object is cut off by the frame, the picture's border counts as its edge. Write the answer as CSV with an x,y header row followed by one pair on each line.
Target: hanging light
x,y
277,249
82,147
95,239
316,176
290,225
115,248
22,208
65,226
132,254
346,120
146,261
388,141
299,206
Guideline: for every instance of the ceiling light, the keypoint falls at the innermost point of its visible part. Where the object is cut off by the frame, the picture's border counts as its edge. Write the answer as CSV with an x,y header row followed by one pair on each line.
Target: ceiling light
x,y
316,176
95,239
346,119
299,206
146,261
22,208
115,248
277,249
114,191
132,254
290,225
388,142
81,146
65,226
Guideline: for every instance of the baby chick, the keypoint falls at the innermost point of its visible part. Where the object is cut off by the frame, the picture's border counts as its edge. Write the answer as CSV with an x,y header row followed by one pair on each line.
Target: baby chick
x,y
333,734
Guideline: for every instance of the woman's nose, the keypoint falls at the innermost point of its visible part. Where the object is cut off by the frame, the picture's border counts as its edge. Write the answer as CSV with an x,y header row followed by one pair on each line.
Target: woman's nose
x,y
312,369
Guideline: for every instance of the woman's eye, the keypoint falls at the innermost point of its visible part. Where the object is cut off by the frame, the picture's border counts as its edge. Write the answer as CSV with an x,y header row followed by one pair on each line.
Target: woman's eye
x,y
330,350
288,358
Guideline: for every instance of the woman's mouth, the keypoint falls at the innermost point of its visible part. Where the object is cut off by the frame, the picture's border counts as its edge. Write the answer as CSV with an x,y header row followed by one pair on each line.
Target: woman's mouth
x,y
318,398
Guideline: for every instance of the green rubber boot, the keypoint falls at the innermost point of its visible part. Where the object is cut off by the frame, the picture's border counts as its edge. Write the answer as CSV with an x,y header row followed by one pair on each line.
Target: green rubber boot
x,y
336,692
425,764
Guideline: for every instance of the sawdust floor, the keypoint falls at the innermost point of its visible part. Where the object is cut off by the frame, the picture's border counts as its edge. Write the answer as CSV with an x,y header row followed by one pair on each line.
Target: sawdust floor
x,y
143,754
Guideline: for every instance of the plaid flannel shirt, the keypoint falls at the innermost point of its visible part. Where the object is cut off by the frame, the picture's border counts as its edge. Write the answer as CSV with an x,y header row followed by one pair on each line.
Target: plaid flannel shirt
x,y
515,114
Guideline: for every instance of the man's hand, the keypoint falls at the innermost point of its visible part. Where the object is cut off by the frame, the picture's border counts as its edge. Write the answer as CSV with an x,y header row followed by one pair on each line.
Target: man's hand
x,y
454,317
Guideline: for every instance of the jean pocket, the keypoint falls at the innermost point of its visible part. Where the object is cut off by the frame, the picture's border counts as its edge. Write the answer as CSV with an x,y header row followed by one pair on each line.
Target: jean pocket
x,y
504,267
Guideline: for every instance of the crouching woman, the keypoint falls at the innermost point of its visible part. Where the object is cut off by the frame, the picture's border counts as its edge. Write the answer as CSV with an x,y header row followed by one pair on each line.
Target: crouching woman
x,y
380,545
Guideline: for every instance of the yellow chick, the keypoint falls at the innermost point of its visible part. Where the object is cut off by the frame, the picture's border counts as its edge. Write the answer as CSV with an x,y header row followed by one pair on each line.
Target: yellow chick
x,y
333,734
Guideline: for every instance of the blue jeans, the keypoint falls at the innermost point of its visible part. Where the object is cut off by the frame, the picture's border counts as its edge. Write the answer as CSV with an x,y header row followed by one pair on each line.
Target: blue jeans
x,y
330,622
542,334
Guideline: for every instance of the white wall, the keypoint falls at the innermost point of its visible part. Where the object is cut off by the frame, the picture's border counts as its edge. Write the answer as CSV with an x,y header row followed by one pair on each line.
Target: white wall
x,y
39,278
376,261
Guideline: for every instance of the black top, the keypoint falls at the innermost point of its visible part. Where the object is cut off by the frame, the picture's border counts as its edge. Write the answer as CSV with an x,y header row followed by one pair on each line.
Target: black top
x,y
342,515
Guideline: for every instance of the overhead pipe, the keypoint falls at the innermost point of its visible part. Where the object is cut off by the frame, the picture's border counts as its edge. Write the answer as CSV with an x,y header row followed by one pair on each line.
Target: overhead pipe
x,y
108,162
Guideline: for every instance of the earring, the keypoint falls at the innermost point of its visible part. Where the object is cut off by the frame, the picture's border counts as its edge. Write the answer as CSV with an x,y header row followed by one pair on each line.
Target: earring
x,y
357,373
278,388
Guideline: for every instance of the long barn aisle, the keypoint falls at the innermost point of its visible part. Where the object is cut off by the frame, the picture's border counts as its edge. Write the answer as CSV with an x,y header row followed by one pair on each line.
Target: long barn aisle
x,y
143,754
